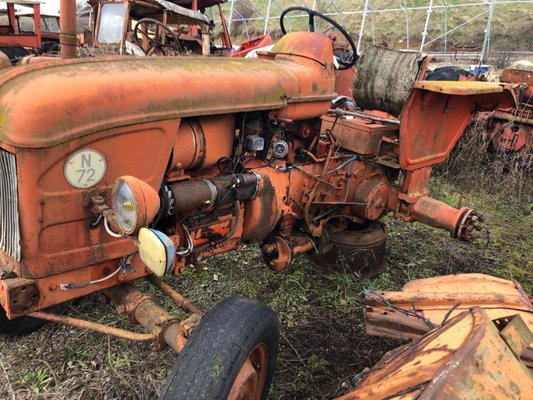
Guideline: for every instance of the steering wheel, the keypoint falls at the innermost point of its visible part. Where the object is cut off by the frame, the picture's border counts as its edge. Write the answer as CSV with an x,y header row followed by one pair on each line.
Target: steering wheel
x,y
158,42
344,62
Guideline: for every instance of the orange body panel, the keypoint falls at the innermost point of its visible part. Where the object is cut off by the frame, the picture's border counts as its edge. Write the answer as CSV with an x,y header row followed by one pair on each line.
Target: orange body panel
x,y
465,359
442,297
436,115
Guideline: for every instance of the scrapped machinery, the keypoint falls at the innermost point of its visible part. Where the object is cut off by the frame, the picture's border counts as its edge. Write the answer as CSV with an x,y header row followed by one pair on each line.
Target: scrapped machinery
x,y
468,357
511,129
472,337
141,166
24,30
157,27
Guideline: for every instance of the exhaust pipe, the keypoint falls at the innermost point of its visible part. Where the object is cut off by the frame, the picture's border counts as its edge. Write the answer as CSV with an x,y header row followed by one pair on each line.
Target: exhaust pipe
x,y
67,24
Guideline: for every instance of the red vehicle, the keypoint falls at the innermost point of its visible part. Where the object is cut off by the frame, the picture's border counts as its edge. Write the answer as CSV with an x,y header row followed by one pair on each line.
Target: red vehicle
x,y
15,42
152,27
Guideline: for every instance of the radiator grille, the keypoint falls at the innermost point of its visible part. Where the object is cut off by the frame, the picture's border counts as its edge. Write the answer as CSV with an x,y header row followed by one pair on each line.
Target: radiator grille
x,y
9,214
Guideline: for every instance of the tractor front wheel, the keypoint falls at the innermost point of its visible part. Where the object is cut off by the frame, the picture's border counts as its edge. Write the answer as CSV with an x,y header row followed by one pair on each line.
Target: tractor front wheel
x,y
230,355
23,325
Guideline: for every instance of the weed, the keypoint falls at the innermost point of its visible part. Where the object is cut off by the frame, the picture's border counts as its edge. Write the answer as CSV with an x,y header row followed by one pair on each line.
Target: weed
x,y
37,379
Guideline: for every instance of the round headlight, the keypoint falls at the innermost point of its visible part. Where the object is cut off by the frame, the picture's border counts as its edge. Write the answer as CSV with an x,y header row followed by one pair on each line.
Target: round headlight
x,y
135,204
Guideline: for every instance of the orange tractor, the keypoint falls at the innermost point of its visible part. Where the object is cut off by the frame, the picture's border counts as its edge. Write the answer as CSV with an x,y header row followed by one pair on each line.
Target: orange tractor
x,y
142,166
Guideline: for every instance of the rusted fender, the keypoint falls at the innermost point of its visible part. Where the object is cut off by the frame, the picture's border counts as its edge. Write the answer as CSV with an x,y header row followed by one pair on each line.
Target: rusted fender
x,y
425,303
467,358
437,113
47,104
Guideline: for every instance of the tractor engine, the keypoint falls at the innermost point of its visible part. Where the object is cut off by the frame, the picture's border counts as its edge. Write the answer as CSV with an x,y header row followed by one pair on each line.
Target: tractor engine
x,y
290,185
118,168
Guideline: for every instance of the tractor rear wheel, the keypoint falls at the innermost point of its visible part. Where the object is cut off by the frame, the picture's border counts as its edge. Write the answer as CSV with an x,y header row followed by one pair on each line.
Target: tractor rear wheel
x,y
359,249
446,74
230,355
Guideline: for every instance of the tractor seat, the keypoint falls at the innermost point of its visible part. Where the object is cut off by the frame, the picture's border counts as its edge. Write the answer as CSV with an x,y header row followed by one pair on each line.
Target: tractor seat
x,y
384,78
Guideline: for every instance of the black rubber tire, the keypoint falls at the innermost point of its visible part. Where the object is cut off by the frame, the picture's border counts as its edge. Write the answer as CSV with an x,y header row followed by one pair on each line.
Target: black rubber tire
x,y
214,354
446,74
24,325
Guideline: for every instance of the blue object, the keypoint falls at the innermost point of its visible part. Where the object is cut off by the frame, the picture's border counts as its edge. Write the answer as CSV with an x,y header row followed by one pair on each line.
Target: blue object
x,y
475,68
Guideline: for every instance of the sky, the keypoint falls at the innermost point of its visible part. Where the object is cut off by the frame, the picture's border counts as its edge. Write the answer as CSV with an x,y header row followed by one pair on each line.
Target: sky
x,y
52,6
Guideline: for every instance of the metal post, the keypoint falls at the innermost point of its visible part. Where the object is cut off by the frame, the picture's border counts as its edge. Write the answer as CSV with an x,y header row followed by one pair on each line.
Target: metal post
x,y
426,26
267,17
445,25
486,41
407,34
362,25
373,27
231,5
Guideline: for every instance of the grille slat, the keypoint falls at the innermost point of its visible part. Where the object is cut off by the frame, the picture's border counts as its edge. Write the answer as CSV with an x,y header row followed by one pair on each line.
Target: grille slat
x,y
9,215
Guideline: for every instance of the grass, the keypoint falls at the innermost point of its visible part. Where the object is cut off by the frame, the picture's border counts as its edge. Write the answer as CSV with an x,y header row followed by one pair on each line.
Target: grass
x,y
512,27
323,340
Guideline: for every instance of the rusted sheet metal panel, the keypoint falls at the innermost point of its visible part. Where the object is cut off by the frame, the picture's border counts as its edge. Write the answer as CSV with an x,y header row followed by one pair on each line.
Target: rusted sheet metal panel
x,y
434,117
424,304
74,98
514,75
465,359
461,88
515,333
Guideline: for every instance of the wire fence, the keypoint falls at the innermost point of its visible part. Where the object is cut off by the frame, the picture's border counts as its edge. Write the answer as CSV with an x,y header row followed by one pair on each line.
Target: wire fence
x,y
424,25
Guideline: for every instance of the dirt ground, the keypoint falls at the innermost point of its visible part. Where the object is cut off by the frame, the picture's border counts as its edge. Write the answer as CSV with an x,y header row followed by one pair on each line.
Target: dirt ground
x,y
322,342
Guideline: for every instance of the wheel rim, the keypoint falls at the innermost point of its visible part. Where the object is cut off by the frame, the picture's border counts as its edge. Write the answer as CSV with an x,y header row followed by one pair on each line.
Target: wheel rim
x,y
250,380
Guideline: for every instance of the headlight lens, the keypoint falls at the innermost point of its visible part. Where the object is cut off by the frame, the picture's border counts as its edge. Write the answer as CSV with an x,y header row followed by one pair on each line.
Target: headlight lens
x,y
135,204
124,207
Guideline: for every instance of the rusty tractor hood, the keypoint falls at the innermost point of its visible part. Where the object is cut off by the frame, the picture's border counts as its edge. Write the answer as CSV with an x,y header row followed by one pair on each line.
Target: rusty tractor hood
x,y
46,104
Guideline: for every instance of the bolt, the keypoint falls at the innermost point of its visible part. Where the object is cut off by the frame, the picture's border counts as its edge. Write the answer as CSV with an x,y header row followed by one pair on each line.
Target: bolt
x,y
53,286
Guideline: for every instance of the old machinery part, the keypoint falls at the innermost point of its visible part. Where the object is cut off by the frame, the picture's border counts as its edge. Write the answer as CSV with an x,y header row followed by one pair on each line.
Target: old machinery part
x,y
254,143
358,249
427,303
206,194
94,326
278,252
462,224
345,62
509,136
164,329
142,309
180,300
163,41
467,358
201,142
280,149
